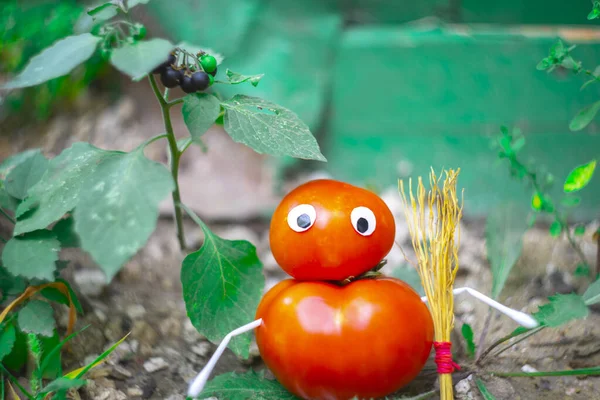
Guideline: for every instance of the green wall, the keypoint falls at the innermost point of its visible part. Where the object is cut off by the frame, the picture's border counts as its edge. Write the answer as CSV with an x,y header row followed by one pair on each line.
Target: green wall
x,y
381,87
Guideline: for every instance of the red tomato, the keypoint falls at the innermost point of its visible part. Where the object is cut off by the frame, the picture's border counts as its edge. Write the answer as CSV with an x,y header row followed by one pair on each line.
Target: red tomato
x,y
328,342
330,230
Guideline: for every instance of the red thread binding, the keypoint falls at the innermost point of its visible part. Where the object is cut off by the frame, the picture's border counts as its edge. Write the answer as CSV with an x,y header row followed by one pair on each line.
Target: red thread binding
x,y
443,358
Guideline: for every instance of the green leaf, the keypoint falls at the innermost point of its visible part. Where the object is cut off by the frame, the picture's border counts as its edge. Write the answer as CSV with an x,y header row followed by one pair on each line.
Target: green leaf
x,y
584,117
37,317
561,309
21,178
555,229
222,286
64,230
570,201
8,164
579,177
63,383
544,64
199,112
78,373
7,341
269,128
485,393
592,294
235,78
32,255
536,202
558,50
58,191
183,144
504,230
409,275
104,11
10,285
248,386
579,230
54,353
467,333
56,295
118,208
133,3
595,13
582,270
140,58
57,60
7,202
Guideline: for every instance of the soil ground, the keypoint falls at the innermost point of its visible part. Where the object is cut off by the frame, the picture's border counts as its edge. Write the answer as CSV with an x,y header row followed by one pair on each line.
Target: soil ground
x,y
229,187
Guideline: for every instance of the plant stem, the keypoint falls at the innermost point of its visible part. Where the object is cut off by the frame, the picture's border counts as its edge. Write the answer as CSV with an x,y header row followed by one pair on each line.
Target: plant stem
x,y
175,156
16,382
174,102
484,333
8,217
502,340
557,215
568,372
519,340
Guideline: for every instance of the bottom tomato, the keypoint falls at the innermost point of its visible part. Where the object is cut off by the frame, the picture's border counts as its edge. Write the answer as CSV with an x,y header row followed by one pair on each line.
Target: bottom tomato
x,y
328,342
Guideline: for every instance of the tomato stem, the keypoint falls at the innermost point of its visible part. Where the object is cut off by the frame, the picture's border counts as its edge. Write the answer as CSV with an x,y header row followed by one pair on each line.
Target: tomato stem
x,y
175,155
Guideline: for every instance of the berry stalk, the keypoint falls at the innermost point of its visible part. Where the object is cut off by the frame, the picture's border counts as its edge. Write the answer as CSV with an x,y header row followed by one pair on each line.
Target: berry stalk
x,y
175,156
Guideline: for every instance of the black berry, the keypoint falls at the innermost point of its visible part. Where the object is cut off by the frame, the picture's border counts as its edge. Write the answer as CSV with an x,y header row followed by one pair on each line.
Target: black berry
x,y
170,77
200,80
187,84
171,60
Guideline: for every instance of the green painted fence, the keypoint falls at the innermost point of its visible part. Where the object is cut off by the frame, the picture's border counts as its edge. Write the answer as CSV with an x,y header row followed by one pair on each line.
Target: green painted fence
x,y
389,95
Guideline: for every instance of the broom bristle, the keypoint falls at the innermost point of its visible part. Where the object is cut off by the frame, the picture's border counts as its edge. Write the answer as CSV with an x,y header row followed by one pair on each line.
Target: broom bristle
x,y
436,247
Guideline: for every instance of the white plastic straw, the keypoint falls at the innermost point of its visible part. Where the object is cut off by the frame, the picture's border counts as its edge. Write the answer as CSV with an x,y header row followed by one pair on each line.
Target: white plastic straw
x,y
198,384
521,318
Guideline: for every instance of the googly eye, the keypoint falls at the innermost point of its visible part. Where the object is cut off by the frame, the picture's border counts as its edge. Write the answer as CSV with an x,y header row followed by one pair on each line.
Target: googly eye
x,y
363,221
301,217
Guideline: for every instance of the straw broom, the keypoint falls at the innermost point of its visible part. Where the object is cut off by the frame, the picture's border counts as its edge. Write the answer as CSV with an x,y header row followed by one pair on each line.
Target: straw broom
x,y
436,247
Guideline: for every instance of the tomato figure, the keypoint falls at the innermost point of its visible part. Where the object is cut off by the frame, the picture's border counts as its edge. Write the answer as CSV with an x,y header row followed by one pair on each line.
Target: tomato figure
x,y
330,230
328,342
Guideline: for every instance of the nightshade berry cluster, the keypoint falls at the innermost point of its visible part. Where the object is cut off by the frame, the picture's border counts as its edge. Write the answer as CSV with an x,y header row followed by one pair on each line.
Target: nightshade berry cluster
x,y
191,73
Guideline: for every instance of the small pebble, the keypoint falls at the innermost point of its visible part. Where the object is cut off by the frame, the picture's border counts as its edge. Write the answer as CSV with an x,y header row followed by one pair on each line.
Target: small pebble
x,y
528,368
202,349
119,372
134,391
155,364
135,311
91,282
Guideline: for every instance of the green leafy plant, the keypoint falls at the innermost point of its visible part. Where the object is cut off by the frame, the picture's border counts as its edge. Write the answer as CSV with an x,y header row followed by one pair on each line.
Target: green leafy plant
x,y
560,56
106,201
46,22
542,202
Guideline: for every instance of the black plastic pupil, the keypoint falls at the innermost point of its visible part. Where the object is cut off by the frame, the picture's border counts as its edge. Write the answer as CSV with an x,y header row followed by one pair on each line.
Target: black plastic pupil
x,y
303,221
362,225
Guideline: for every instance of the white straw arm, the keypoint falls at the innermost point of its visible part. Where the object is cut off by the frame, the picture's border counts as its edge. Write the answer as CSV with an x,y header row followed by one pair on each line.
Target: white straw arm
x,y
198,383
519,317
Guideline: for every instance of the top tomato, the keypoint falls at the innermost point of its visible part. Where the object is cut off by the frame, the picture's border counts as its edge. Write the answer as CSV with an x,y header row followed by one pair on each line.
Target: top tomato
x,y
330,230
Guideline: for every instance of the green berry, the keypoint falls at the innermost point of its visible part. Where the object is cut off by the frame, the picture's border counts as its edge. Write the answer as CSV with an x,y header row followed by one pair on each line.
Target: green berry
x,y
211,80
209,63
139,31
